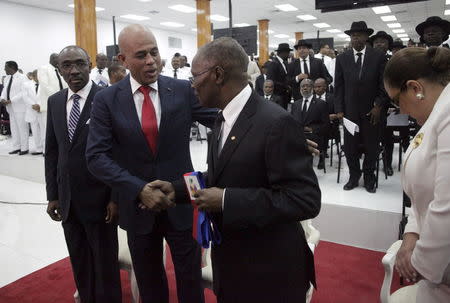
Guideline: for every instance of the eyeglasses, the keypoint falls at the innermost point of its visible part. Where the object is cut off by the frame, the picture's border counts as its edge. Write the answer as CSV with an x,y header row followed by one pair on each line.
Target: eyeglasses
x,y
67,66
396,98
192,79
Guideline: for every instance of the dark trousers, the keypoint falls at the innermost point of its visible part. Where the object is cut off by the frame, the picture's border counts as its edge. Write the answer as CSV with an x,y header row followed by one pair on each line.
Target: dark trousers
x,y
147,255
93,251
388,140
365,141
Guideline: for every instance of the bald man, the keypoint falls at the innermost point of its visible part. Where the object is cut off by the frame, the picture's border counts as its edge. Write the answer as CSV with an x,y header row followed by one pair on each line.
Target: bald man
x,y
140,132
99,74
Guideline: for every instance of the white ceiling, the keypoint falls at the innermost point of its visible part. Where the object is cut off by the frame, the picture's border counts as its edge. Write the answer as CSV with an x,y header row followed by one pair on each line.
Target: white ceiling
x,y
249,11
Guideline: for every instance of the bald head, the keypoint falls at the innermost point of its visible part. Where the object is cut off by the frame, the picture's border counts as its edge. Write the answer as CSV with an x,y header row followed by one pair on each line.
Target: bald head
x,y
139,53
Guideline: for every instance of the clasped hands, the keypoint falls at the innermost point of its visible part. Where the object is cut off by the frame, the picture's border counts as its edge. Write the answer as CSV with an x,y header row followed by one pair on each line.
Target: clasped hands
x,y
160,195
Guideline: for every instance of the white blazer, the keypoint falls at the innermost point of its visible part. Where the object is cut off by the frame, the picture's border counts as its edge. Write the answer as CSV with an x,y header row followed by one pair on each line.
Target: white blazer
x,y
253,71
426,180
48,84
16,93
30,97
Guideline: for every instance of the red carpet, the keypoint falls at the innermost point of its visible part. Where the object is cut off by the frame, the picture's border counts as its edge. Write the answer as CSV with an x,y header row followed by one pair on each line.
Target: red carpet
x,y
344,274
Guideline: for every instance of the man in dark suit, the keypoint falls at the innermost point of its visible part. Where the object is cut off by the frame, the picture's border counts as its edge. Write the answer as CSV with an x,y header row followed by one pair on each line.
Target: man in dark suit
x,y
259,83
269,94
360,97
278,73
140,132
261,184
77,198
320,90
434,31
312,113
306,67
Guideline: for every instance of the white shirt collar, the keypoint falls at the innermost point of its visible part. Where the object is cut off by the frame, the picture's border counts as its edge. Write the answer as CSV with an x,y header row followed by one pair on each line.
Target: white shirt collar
x,y
83,93
234,108
307,59
363,51
323,96
309,99
135,85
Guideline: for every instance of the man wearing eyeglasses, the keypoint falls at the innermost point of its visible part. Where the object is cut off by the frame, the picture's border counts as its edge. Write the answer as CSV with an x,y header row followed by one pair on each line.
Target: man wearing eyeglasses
x,y
139,133
75,196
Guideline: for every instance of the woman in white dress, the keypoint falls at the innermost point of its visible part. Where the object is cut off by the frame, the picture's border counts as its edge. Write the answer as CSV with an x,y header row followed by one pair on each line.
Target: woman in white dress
x,y
417,79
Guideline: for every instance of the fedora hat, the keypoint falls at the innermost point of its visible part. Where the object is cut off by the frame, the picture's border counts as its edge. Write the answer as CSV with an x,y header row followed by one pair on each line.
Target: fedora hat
x,y
434,20
302,43
384,35
359,26
398,44
283,47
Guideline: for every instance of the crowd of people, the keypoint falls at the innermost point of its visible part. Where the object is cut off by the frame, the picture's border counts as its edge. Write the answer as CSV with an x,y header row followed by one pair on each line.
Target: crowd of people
x,y
116,144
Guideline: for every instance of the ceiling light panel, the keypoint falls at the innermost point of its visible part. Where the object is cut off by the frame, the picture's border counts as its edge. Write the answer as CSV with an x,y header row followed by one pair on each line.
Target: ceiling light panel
x,y
286,7
381,9
183,8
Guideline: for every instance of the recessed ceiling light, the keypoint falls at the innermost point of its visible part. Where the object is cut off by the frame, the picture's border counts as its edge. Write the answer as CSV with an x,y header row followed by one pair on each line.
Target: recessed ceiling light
x,y
381,9
389,18
218,18
321,25
306,17
394,25
398,31
241,24
97,9
402,35
145,0
281,36
342,35
286,7
273,46
172,24
134,17
404,39
334,30
183,8
292,40
193,29
447,12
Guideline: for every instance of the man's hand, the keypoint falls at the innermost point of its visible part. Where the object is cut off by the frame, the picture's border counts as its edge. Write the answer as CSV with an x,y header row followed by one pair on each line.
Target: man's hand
x,y
111,212
374,114
165,187
54,211
403,259
333,117
209,199
5,102
312,147
36,107
300,77
307,129
154,199
340,115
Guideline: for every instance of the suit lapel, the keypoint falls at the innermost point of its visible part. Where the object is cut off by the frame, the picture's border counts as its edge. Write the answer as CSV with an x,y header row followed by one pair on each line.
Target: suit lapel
x,y
366,62
310,109
62,116
165,97
237,134
85,113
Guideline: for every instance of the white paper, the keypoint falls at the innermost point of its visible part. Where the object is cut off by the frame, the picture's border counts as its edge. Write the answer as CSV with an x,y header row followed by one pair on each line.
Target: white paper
x,y
351,127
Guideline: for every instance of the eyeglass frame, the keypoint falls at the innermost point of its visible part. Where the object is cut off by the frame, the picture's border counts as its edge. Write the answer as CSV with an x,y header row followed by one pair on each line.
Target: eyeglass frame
x,y
79,65
192,79
396,99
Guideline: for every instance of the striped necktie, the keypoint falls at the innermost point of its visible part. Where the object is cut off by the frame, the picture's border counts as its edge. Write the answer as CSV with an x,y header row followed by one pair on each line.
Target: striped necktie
x,y
74,116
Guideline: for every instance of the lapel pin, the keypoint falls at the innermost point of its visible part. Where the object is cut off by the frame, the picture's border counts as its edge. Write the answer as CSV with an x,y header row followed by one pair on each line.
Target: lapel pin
x,y
233,138
417,140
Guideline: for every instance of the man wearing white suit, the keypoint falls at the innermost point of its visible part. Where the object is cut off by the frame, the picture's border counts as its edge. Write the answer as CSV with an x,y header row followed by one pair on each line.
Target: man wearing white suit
x,y
50,82
12,97
32,115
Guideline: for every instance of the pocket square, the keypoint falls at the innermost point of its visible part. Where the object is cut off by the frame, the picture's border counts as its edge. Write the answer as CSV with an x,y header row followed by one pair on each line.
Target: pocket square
x,y
89,120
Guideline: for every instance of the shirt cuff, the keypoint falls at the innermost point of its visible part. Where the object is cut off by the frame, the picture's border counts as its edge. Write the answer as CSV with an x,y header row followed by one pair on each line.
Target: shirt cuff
x,y
297,79
223,199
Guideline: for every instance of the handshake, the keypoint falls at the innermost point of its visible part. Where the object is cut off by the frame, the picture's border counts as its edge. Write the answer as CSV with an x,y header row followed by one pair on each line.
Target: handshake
x,y
160,195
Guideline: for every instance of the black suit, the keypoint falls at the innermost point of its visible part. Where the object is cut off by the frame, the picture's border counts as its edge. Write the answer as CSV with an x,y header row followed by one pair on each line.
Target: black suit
x,y
270,186
259,85
316,117
279,76
355,96
92,243
316,70
275,99
334,125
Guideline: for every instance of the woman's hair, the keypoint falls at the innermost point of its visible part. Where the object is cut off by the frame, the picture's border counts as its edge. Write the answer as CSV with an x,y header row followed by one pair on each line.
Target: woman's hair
x,y
414,63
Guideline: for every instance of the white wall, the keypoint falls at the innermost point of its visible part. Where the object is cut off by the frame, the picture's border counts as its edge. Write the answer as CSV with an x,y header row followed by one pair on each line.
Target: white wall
x,y
29,35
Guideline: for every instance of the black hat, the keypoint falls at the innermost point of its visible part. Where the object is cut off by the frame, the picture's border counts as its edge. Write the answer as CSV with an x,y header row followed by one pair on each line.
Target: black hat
x,y
302,43
398,44
382,34
434,20
359,26
283,47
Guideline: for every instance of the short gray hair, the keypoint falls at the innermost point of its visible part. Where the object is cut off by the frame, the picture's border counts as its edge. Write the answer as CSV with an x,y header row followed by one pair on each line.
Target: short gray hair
x,y
309,81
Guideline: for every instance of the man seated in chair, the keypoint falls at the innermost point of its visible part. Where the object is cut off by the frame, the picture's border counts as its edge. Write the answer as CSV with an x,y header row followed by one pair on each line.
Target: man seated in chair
x,y
312,113
269,94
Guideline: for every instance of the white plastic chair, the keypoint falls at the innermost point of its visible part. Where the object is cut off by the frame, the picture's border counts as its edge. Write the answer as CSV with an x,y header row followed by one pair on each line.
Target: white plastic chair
x,y
405,294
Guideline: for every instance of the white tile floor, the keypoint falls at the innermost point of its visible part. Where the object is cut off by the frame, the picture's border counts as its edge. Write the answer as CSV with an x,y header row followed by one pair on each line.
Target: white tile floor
x,y
29,240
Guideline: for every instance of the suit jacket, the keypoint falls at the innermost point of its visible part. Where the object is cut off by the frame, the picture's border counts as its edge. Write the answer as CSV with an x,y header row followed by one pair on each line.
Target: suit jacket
x,y
275,99
356,97
66,174
426,181
259,85
317,70
279,76
48,84
270,186
119,155
316,117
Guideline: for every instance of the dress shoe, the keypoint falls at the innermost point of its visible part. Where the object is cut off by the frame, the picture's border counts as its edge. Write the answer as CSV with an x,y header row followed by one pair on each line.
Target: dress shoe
x,y
351,184
321,164
370,187
389,171
14,152
36,153
23,153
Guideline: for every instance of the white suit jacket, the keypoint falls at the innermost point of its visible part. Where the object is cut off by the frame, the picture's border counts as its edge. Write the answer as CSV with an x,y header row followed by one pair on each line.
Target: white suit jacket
x,y
16,93
426,180
253,71
48,85
30,97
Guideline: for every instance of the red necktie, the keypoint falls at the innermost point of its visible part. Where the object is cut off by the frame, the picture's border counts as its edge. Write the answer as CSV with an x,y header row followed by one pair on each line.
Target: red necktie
x,y
149,121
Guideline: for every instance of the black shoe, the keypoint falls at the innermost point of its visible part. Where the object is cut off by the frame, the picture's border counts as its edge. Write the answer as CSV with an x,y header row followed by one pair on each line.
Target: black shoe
x,y
370,187
23,153
321,164
389,171
36,153
351,184
326,155
14,152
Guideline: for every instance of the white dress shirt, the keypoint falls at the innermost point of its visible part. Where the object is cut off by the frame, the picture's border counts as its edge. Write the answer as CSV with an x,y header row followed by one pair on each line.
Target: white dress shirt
x,y
138,98
308,104
97,77
302,68
282,63
83,93
362,57
16,92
